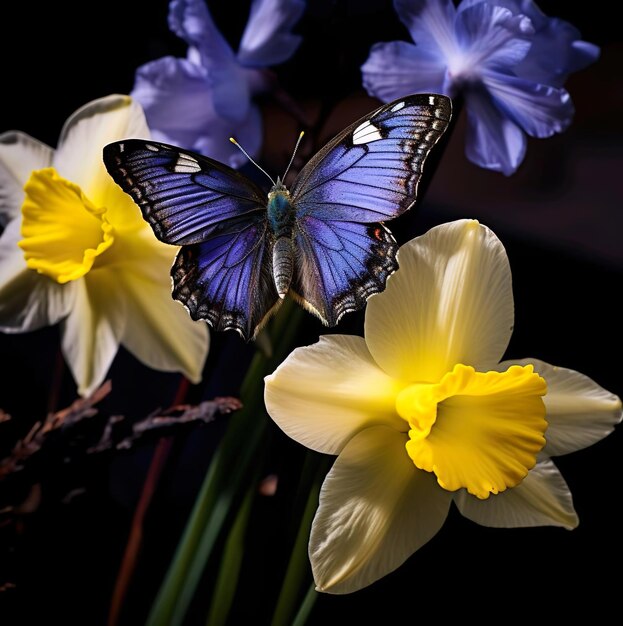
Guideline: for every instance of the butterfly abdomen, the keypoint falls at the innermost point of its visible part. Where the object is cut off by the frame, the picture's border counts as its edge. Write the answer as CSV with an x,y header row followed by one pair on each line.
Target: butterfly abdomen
x,y
283,264
280,213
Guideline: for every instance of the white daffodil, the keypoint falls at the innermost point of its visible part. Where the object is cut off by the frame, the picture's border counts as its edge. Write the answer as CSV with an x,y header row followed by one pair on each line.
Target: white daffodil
x,y
421,413
76,250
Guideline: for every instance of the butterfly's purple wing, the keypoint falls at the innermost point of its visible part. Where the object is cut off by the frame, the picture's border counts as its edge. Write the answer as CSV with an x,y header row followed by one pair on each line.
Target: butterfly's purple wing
x,y
367,174
223,270
340,265
185,197
227,280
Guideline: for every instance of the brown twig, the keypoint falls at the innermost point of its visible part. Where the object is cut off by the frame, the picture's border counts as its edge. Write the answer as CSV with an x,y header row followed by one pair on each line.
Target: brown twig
x,y
60,436
36,437
203,412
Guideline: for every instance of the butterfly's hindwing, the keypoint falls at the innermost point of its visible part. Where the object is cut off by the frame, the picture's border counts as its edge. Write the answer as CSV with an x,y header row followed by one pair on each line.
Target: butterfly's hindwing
x,y
370,171
340,265
184,196
227,280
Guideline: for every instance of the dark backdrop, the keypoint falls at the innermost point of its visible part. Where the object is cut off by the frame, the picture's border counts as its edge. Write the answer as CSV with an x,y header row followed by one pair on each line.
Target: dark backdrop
x,y
559,218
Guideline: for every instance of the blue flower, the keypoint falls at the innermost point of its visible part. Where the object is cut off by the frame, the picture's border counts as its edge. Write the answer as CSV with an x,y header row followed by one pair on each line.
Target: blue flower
x,y
505,57
200,101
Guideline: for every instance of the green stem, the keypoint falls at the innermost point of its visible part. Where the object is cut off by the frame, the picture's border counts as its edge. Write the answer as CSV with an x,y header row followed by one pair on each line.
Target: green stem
x,y
306,607
164,605
231,562
226,476
298,567
225,499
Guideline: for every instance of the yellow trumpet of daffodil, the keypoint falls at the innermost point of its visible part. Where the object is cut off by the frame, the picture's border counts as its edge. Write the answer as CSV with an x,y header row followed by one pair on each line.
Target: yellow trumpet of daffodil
x,y
422,413
75,250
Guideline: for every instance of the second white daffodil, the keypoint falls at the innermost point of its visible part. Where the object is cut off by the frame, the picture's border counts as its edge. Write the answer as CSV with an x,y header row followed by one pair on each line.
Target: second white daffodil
x,y
76,250
422,413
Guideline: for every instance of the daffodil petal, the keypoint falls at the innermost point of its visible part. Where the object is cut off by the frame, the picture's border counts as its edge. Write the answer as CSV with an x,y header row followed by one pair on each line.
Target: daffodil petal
x,y
79,154
92,331
28,300
63,232
322,394
449,302
487,433
542,499
376,509
20,154
159,331
579,411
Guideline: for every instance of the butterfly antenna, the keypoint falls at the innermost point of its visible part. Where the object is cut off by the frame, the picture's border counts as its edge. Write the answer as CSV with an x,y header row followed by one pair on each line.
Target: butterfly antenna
x,y
250,159
296,147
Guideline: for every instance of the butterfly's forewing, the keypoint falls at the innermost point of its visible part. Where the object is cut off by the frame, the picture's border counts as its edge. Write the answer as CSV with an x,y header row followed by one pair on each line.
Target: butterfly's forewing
x,y
223,271
369,173
184,196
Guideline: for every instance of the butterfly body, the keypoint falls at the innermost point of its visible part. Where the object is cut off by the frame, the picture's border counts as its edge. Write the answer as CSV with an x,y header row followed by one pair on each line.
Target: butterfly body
x,y
322,240
280,210
281,218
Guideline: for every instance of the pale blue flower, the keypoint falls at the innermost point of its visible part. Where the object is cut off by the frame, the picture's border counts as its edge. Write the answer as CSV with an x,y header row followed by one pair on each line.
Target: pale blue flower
x,y
202,100
504,57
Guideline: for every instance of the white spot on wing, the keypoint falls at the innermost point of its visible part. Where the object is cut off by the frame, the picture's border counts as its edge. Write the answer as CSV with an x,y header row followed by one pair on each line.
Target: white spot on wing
x,y
365,133
151,147
397,107
186,164
432,100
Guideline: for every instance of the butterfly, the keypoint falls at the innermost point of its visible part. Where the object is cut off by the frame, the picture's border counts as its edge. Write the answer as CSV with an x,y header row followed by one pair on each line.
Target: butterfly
x,y
323,240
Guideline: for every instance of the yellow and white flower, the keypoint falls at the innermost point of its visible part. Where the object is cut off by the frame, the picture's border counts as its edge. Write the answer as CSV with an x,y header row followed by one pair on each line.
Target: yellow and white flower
x,y
76,250
422,413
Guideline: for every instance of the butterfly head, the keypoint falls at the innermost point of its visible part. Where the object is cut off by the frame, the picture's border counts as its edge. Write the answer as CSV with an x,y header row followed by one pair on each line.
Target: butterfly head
x,y
278,187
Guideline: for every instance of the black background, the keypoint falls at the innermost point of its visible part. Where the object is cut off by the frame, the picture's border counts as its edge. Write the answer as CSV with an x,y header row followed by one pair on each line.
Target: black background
x,y
559,218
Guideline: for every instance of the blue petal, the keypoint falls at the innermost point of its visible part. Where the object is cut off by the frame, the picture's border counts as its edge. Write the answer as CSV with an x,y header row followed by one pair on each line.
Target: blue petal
x,y
539,110
491,36
557,51
516,7
231,93
214,142
176,98
191,21
430,23
398,68
493,141
179,108
267,39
